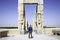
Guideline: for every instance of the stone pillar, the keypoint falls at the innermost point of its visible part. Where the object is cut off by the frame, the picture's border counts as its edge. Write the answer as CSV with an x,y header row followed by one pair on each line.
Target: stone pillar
x,y
40,17
20,16
26,25
34,24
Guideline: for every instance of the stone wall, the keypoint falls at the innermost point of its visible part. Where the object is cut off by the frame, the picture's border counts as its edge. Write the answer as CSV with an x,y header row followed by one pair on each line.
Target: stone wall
x,y
11,31
49,30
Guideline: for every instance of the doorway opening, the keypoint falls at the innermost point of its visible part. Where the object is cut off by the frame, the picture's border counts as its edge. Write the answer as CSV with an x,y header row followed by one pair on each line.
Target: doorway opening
x,y
30,11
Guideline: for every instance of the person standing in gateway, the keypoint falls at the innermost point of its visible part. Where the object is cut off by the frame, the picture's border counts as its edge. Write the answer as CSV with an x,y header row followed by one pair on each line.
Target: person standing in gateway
x,y
30,31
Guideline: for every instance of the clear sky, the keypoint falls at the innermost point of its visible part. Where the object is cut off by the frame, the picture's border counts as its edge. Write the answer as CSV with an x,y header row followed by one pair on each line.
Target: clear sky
x,y
52,13
9,12
30,10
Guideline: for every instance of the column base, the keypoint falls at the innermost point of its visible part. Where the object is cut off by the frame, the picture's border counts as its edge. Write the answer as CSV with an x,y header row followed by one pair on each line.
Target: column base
x,y
22,32
38,31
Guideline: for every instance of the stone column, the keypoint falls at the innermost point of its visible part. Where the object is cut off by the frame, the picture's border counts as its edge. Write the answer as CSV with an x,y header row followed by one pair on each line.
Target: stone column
x,y
26,25
20,16
40,17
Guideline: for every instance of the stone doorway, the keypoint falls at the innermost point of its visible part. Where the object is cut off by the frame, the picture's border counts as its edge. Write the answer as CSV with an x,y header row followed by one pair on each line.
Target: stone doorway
x,y
30,10
38,18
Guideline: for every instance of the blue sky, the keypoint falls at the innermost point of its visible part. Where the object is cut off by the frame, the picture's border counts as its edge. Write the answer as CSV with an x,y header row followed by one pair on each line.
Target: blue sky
x,y
30,10
52,13
9,12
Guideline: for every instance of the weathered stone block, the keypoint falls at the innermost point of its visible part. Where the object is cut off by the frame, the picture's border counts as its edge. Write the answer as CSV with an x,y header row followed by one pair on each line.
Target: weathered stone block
x,y
30,1
20,1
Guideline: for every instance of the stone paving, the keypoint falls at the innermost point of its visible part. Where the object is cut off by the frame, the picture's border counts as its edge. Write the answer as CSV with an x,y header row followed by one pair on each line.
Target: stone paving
x,y
35,37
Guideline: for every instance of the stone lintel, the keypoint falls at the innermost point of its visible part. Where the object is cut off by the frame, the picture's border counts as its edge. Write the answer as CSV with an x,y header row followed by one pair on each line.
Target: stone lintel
x,y
30,1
